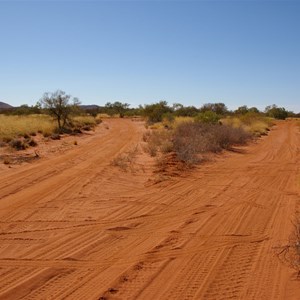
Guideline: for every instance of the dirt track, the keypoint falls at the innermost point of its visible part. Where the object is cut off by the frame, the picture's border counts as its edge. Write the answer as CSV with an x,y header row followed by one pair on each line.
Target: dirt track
x,y
75,227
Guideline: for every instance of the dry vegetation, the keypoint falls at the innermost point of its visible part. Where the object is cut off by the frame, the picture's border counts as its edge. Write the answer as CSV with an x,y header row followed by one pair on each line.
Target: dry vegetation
x,y
191,141
18,131
16,126
125,160
289,254
252,123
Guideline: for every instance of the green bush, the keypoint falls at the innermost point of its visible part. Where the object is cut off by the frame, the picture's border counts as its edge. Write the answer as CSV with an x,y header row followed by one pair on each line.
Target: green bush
x,y
207,117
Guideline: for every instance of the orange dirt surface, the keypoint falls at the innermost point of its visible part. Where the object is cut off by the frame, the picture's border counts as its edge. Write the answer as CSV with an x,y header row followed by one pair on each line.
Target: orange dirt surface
x,y
74,227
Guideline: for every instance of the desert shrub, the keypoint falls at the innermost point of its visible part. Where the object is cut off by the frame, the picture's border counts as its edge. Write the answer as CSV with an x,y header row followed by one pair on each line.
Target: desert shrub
x,y
208,117
55,136
252,122
86,128
155,112
46,134
166,146
276,112
31,142
151,149
7,161
289,254
226,136
188,111
126,159
192,140
168,117
146,135
18,144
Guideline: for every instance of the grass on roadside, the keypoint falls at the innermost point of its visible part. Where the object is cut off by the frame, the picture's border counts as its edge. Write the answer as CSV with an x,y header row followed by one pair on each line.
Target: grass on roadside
x,y
17,126
17,131
254,124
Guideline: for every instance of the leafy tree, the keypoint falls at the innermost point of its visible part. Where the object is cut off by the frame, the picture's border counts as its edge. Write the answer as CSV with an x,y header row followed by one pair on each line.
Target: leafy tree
x,y
60,106
218,108
276,112
154,112
242,110
253,110
117,108
208,117
185,111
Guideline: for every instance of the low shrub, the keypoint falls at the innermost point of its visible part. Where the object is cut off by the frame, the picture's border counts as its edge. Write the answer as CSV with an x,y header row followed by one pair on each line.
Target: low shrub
x,y
31,142
125,160
192,140
289,254
55,136
18,144
207,117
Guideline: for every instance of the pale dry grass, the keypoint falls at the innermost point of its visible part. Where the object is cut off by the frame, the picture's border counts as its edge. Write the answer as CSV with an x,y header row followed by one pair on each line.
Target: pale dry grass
x,y
125,160
256,125
13,126
84,120
171,124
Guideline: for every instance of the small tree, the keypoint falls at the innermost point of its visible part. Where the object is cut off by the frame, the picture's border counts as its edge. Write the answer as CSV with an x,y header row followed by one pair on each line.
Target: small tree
x,y
242,110
218,108
117,108
154,112
208,117
60,106
276,112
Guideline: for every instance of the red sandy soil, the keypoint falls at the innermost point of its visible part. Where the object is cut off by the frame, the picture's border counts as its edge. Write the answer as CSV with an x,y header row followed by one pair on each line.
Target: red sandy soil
x,y
74,227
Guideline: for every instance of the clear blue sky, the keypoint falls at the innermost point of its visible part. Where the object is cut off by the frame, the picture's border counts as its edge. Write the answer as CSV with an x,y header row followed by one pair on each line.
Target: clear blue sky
x,y
193,52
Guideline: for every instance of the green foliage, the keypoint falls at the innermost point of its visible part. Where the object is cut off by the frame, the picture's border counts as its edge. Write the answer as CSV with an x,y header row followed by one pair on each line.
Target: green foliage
x,y
23,110
242,110
208,117
185,111
154,112
169,117
117,108
60,106
276,112
218,108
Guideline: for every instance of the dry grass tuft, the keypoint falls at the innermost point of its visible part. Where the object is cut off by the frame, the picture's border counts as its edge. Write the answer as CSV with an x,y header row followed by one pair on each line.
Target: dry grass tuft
x,y
252,123
125,161
289,254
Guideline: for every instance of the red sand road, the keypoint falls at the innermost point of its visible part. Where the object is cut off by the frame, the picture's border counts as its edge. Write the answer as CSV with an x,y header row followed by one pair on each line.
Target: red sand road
x,y
74,227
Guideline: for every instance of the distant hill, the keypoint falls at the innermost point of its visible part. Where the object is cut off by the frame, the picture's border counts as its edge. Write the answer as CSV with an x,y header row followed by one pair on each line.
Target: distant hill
x,y
89,107
5,105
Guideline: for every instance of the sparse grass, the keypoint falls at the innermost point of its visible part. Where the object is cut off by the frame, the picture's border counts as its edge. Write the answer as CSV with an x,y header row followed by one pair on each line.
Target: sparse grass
x,y
158,140
254,124
170,124
125,160
14,126
80,121
18,130
289,254
7,161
